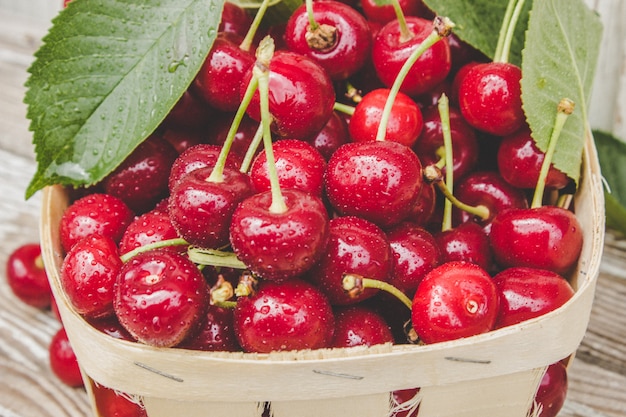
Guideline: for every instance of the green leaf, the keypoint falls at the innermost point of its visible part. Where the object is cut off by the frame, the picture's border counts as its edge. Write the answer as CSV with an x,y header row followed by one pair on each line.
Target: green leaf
x,y
612,156
559,61
106,75
478,23
277,12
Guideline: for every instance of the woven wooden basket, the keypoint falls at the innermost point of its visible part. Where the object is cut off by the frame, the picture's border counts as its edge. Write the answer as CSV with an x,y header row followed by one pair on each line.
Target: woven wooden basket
x,y
493,374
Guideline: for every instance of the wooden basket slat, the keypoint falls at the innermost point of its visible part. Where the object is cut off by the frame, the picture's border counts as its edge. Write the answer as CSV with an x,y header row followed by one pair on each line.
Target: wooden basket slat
x,y
374,405
160,407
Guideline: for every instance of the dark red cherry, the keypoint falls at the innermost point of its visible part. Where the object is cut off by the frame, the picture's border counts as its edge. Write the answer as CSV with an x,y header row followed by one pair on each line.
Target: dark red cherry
x,y
301,96
405,402
281,245
111,403
466,242
424,209
384,12
546,237
340,43
216,334
182,139
290,315
552,391
298,165
235,19
355,246
220,78
430,147
490,98
247,129
112,327
331,137
454,300
519,162
390,52
379,181
141,180
405,120
526,293
27,276
359,326
189,112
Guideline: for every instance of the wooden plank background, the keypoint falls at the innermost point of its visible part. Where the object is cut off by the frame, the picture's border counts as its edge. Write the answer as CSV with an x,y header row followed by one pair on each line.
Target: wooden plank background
x,y
28,388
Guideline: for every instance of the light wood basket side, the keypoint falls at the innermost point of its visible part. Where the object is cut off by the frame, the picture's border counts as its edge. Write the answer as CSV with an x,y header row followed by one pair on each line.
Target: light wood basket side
x,y
492,365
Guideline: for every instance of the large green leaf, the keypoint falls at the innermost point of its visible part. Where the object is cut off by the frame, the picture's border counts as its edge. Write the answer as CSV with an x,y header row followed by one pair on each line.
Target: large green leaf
x,y
478,23
612,156
106,75
559,61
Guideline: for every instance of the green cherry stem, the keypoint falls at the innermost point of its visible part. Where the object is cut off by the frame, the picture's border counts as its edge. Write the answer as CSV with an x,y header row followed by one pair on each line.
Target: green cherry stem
x,y
214,257
355,284
510,31
443,105
251,151
246,43
442,27
503,29
344,108
155,245
261,72
564,109
405,33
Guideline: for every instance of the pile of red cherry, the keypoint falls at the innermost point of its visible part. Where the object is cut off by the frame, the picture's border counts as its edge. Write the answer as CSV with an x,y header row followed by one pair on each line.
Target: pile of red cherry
x,y
204,239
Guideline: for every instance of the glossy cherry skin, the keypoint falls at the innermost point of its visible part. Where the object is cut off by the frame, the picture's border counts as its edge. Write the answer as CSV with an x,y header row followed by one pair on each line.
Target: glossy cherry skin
x,y
552,391
88,274
160,297
526,293
351,44
390,52
27,276
199,156
110,403
112,327
430,147
488,189
289,315
454,300
235,19
379,181
151,227
405,120
547,237
490,98
94,213
424,209
355,246
519,162
359,326
415,253
465,242
331,137
301,96
141,180
63,360
384,13
298,164
277,246
217,333
201,210
219,80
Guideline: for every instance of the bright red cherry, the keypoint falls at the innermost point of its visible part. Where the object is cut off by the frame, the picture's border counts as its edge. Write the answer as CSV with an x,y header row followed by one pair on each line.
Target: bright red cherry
x,y
454,300
359,326
199,156
27,276
546,237
526,293
282,245
466,242
490,98
552,391
110,403
379,181
405,402
63,360
341,41
384,12
151,227
405,120
301,96
390,51
290,315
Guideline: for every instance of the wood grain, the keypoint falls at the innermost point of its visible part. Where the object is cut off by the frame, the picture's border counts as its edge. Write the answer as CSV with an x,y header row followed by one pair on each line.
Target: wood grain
x,y
597,376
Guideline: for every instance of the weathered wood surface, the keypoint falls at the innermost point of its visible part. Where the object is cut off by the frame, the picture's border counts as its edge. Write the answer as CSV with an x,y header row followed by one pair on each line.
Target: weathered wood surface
x,y
29,389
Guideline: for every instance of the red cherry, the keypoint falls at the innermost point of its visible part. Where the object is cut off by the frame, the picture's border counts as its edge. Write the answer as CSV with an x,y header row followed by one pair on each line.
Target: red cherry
x,y
247,129
350,39
379,181
151,227
405,120
94,214
424,209
384,13
405,402
88,274
189,112
466,242
63,360
216,334
359,326
27,276
220,77
454,300
490,98
301,96
278,246
390,52
141,180
331,137
552,391
112,327
289,315
182,139
298,164
235,19
526,293
110,403
519,162
546,237
355,246
160,297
